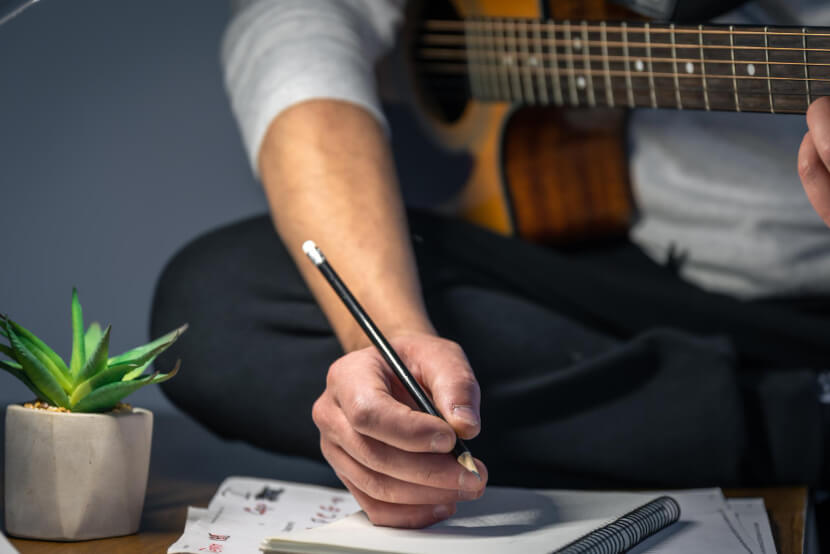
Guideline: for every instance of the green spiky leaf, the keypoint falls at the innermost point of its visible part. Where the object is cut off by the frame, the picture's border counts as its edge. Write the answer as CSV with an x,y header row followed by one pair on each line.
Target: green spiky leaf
x,y
78,351
108,375
18,373
106,397
141,354
93,336
44,354
137,372
37,373
39,347
97,361
6,350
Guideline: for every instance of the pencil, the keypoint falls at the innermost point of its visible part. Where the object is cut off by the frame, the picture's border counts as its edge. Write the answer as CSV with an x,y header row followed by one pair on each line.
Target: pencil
x,y
460,450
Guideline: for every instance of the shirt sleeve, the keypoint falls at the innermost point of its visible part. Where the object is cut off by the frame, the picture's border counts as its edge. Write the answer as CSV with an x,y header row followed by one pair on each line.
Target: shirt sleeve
x,y
277,53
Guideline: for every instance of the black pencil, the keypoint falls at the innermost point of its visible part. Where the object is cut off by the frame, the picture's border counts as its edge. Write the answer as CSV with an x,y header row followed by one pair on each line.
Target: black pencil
x,y
460,450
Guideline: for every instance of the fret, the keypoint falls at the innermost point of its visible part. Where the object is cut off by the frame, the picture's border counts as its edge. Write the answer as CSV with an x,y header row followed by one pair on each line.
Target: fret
x,y
494,54
592,101
557,80
527,61
769,79
818,43
512,59
752,86
628,86
806,66
703,71
606,66
569,64
476,84
787,70
652,92
734,75
674,68
489,61
539,54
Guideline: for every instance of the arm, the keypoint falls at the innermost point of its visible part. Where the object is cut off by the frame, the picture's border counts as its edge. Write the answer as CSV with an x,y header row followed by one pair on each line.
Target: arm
x,y
814,158
300,77
328,176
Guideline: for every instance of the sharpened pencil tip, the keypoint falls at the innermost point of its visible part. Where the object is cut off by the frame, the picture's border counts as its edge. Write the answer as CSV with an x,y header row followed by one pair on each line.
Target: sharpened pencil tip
x,y
466,460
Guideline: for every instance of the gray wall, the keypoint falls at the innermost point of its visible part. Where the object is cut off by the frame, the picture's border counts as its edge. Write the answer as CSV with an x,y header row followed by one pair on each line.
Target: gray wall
x,y
116,147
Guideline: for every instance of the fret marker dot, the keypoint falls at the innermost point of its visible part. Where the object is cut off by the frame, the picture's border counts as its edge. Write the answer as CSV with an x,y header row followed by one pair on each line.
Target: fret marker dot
x,y
639,65
580,82
533,61
750,68
690,67
507,60
577,44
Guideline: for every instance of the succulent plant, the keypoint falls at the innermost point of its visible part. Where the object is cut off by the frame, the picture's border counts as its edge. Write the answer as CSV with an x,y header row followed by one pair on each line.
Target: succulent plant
x,y
92,382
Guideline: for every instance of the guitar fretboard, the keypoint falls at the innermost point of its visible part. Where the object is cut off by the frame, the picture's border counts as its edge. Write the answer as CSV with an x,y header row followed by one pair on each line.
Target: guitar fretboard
x,y
614,64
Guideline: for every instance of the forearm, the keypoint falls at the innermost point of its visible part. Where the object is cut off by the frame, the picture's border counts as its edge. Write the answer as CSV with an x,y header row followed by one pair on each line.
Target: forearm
x,y
329,177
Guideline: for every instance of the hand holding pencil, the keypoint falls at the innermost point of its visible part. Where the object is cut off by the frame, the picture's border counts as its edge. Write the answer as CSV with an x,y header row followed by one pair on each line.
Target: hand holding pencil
x,y
394,458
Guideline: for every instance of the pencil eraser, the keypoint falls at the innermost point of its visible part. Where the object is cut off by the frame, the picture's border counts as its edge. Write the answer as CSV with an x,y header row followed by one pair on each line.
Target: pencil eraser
x,y
313,252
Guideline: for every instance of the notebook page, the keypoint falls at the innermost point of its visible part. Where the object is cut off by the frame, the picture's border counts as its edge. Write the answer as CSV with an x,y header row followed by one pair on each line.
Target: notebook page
x,y
752,513
503,520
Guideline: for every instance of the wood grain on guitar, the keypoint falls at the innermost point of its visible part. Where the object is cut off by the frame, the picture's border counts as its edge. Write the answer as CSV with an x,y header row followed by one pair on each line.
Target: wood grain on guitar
x,y
539,97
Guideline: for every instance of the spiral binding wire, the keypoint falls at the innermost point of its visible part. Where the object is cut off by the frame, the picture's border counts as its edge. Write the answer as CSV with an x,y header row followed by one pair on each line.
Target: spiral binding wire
x,y
627,531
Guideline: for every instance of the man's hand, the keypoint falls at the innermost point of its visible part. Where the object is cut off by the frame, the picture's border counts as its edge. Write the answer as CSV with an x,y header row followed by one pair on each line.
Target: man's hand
x,y
814,158
391,456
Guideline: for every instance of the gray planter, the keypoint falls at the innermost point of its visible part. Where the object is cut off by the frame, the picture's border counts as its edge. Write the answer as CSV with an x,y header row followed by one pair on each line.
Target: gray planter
x,y
72,477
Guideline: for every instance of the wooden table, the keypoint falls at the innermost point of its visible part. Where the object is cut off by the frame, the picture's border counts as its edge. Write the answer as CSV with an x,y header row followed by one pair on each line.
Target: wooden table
x,y
167,500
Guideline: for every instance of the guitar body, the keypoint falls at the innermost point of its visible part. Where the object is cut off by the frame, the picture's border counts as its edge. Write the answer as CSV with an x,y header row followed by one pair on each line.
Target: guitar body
x,y
546,174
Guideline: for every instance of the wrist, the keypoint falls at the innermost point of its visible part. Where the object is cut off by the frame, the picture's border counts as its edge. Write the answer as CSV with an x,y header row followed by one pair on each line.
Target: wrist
x,y
355,338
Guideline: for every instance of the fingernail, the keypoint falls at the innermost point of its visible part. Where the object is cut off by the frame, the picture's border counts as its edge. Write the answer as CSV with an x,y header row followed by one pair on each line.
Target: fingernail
x,y
466,414
441,442
441,512
468,481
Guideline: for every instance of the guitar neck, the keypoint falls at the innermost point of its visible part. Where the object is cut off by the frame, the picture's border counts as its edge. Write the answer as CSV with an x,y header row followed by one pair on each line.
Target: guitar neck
x,y
618,64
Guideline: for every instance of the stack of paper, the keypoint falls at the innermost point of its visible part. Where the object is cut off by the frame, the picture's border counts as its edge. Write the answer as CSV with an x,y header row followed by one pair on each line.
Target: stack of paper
x,y
5,546
244,511
303,518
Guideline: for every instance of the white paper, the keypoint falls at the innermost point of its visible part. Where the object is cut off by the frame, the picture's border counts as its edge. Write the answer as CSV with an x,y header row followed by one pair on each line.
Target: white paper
x,y
5,546
528,521
244,511
752,513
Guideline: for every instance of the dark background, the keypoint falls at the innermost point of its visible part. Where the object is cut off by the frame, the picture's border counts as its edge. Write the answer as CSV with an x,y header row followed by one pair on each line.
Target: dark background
x,y
117,145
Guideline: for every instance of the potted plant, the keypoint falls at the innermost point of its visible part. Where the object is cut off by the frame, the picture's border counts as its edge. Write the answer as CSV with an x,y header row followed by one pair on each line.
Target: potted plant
x,y
77,458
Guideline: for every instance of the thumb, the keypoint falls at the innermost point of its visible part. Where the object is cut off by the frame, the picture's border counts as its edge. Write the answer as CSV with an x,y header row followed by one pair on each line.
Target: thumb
x,y
456,395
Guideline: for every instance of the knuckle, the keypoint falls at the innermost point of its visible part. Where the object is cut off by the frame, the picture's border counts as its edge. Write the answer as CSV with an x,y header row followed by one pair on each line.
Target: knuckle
x,y
318,412
362,414
377,487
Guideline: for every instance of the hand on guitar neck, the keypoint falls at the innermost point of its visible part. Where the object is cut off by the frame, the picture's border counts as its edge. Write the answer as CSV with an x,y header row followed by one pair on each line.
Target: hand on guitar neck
x,y
814,158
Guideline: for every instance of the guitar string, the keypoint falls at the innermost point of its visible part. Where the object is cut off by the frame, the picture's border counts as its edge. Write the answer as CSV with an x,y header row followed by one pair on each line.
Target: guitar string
x,y
459,39
462,25
461,68
444,53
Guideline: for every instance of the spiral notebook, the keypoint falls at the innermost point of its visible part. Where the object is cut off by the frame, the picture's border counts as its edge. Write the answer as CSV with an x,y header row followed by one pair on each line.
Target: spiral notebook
x,y
528,521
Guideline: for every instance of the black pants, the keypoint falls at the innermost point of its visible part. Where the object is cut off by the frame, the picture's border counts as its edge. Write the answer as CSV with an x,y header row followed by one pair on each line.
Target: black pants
x,y
597,367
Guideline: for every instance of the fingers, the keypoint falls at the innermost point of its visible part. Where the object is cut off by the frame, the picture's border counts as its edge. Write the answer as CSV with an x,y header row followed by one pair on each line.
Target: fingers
x,y
360,388
455,391
815,175
385,488
435,471
413,516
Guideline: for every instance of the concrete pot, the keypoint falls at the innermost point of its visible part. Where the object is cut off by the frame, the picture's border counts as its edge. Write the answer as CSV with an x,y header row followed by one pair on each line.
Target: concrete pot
x,y
72,477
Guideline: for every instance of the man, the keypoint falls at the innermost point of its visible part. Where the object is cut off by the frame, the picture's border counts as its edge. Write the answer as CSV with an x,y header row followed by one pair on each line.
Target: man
x,y
601,367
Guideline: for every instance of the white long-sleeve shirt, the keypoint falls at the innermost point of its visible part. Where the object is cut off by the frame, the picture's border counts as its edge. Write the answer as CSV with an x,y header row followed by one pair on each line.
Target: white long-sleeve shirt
x,y
720,189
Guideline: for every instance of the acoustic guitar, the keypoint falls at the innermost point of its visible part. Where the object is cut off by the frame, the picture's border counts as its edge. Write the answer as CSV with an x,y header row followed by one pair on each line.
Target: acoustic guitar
x,y
538,94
